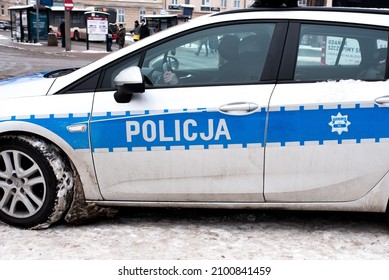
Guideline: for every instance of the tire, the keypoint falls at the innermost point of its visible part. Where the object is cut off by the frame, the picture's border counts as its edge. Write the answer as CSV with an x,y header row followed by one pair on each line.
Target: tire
x,y
36,184
76,36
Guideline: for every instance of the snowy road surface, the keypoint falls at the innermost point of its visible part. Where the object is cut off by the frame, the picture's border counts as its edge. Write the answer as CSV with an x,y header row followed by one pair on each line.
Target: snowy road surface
x,y
152,234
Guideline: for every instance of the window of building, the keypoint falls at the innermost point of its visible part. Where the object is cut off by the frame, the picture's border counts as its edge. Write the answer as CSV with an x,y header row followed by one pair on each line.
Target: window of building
x,y
121,15
142,12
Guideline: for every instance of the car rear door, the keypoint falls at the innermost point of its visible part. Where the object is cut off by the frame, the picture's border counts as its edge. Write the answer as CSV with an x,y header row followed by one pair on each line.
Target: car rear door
x,y
327,135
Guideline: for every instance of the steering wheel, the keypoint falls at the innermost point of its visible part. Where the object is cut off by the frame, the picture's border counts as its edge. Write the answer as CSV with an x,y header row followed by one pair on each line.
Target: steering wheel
x,y
169,63
172,63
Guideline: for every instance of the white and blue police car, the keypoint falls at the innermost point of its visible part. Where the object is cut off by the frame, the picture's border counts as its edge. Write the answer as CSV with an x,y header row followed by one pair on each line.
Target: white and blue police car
x,y
276,108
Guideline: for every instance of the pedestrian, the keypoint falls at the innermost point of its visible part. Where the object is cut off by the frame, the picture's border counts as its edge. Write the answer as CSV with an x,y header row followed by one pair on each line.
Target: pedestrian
x,y
109,38
121,36
62,30
135,31
203,42
213,44
144,30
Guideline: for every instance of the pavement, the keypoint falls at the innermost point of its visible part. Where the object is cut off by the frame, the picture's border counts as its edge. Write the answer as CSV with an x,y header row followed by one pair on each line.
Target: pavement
x,y
78,48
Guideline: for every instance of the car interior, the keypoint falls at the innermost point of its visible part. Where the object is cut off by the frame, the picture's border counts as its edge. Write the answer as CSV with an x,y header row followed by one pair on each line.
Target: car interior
x,y
353,53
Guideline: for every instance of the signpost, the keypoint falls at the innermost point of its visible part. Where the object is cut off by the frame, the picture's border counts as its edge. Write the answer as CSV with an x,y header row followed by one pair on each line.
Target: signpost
x,y
96,26
68,5
37,20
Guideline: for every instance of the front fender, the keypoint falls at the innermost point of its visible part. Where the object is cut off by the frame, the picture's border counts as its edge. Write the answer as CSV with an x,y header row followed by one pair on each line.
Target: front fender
x,y
78,153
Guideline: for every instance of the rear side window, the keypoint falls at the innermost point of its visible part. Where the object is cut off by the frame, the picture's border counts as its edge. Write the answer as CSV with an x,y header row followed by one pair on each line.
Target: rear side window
x,y
338,53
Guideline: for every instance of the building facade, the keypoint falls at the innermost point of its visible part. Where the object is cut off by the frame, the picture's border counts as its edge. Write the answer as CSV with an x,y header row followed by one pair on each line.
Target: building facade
x,y
4,5
131,10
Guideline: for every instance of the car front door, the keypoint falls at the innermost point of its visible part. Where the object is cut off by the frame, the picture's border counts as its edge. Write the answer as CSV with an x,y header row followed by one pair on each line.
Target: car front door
x,y
327,136
196,139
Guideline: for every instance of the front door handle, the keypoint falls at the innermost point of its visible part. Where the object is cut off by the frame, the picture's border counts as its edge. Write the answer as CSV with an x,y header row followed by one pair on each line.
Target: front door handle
x,y
239,108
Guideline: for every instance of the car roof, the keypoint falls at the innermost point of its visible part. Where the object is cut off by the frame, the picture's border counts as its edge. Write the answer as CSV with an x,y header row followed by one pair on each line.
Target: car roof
x,y
358,10
371,16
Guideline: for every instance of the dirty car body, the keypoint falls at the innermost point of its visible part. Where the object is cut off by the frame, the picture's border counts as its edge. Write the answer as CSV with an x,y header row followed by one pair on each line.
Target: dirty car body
x,y
300,124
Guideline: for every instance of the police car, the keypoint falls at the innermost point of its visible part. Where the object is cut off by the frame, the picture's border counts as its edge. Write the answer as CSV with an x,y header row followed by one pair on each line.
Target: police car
x,y
282,108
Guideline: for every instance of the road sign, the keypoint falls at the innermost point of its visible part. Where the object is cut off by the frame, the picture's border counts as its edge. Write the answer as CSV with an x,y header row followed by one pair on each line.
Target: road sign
x,y
68,4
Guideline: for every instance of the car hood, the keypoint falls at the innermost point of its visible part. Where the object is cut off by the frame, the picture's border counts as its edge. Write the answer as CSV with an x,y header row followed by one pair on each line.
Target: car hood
x,y
35,84
29,85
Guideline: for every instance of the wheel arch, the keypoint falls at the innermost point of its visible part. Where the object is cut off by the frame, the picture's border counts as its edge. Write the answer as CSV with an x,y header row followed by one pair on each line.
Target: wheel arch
x,y
81,161
75,35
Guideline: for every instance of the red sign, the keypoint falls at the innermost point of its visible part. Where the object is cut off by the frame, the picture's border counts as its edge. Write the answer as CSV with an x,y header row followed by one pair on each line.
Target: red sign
x,y
68,4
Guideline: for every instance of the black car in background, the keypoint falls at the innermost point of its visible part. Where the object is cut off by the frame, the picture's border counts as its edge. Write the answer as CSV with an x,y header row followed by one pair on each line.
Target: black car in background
x,y
5,24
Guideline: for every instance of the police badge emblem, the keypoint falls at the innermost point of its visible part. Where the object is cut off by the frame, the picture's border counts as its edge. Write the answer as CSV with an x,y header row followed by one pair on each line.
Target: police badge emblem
x,y
339,123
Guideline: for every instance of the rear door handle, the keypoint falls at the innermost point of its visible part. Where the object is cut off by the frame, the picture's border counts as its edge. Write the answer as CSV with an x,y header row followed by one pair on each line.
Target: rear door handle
x,y
382,101
239,108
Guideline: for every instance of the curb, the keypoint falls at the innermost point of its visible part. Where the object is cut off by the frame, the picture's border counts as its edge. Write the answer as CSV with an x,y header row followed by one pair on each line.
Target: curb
x,y
43,48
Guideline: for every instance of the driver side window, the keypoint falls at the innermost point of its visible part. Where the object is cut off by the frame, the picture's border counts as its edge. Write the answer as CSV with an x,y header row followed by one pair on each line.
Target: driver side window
x,y
232,54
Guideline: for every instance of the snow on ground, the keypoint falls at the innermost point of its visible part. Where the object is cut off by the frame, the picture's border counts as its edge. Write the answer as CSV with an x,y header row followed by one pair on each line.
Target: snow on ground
x,y
161,234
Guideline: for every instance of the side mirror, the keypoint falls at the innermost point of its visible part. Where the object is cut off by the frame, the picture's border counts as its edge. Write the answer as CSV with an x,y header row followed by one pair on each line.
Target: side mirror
x,y
128,82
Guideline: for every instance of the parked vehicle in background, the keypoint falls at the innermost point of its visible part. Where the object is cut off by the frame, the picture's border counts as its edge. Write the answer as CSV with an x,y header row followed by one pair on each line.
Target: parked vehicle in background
x,y
77,22
78,28
5,25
